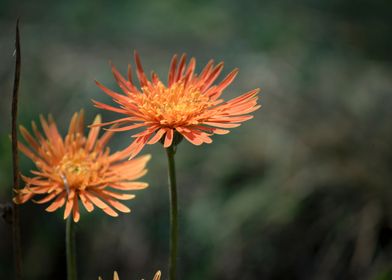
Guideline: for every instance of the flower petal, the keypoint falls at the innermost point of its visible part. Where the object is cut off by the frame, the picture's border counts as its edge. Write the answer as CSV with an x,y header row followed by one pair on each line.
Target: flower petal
x,y
86,202
93,134
172,70
98,202
75,209
168,138
69,204
140,72
127,186
157,136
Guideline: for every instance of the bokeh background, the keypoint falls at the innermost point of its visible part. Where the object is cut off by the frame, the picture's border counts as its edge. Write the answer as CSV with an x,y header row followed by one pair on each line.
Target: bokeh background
x,y
302,191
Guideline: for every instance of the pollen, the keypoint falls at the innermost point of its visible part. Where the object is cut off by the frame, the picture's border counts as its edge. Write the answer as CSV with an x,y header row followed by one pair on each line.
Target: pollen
x,y
175,106
78,169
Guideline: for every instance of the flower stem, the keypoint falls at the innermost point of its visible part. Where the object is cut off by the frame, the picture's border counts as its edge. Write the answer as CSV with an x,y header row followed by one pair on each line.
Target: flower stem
x,y
15,161
70,249
170,151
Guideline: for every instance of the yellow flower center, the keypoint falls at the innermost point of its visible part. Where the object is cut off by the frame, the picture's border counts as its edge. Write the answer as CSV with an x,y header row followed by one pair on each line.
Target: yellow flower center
x,y
174,106
76,169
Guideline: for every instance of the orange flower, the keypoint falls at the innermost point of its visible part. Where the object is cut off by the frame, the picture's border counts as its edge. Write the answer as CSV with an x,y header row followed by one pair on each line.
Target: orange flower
x,y
157,276
189,104
78,167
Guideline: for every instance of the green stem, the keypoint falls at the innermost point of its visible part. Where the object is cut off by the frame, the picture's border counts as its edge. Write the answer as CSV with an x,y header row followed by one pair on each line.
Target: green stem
x,y
70,249
173,213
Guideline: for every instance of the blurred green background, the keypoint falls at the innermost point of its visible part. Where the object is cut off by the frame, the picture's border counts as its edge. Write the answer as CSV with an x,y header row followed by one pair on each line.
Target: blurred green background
x,y
302,191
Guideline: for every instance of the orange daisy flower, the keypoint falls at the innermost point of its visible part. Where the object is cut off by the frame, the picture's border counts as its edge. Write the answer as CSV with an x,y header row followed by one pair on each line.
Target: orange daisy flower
x,y
78,168
189,104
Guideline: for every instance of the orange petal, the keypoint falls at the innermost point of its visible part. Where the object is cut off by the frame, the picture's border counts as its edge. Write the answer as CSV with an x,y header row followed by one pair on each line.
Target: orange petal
x,y
212,77
168,138
233,119
172,70
95,200
212,129
127,186
80,122
119,98
37,133
86,202
125,85
191,67
58,140
206,70
22,198
138,145
57,203
27,136
27,152
158,135
191,137
244,109
117,121
149,131
126,175
115,204
202,135
130,84
69,204
154,78
244,96
98,202
101,143
75,210
181,66
124,128
222,125
224,84
130,167
139,70
93,134
46,198
120,196
131,151
45,127
109,108
72,125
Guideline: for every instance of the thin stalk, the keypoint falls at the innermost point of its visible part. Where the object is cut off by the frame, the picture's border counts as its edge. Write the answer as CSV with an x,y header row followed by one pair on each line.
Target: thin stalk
x,y
70,249
17,248
170,151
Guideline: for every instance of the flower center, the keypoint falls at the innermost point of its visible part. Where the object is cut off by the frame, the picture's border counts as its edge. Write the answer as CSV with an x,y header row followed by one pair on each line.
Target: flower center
x,y
76,169
174,106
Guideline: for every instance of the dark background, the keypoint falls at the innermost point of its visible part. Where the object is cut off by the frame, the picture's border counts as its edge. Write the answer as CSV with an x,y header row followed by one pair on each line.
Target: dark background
x,y
302,191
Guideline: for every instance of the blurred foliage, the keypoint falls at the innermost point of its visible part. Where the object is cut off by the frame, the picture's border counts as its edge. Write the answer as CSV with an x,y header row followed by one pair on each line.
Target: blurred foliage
x,y
302,191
